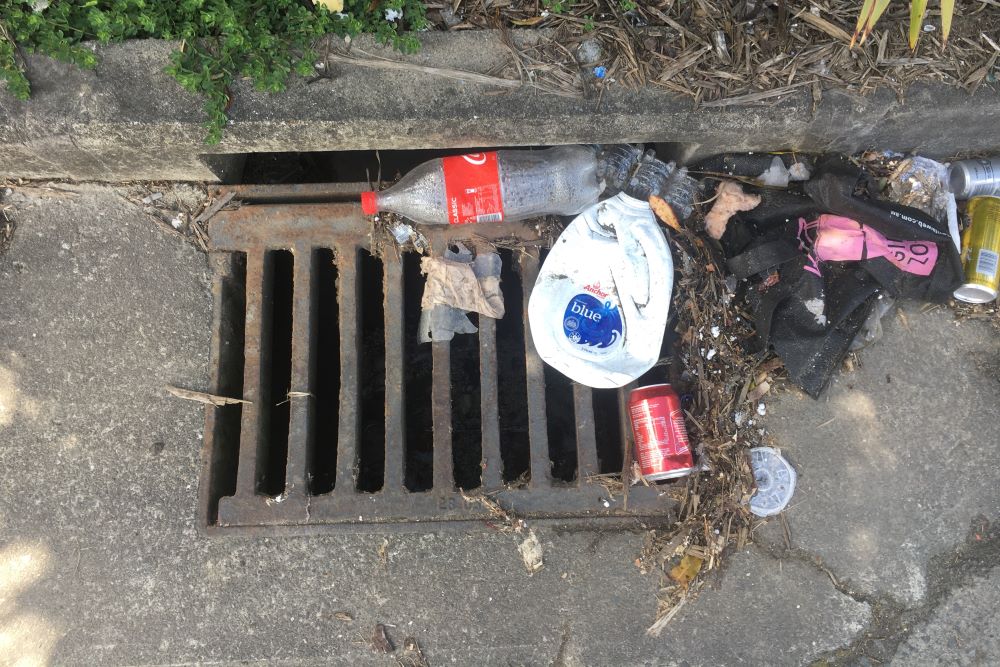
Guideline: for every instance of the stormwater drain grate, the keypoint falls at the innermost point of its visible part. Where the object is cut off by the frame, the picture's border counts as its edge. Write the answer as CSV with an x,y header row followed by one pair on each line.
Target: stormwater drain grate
x,y
350,423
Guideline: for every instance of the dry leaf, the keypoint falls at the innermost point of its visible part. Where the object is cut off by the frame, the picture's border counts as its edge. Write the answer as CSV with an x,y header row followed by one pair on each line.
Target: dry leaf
x,y
685,571
664,212
202,397
343,616
531,553
332,5
534,20
380,640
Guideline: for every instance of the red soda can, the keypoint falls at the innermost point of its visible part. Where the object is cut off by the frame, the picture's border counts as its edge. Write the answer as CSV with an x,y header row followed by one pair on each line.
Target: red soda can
x,y
661,440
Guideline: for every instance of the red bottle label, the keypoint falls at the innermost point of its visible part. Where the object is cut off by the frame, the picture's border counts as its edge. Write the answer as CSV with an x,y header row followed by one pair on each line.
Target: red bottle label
x,y
472,185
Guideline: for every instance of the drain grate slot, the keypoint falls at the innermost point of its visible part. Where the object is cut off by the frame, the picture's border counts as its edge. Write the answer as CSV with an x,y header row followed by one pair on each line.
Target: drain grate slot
x,y
511,375
416,363
466,410
322,458
351,422
371,455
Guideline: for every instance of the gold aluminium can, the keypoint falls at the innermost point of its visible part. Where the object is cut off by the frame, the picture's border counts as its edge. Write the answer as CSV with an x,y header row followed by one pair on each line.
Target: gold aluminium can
x,y
981,252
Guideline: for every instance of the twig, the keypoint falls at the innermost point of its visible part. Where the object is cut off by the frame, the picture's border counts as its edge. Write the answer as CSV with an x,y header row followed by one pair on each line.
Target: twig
x,y
460,75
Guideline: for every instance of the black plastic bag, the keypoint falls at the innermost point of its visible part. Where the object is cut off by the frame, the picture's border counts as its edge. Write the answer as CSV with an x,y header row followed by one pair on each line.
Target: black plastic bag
x,y
810,309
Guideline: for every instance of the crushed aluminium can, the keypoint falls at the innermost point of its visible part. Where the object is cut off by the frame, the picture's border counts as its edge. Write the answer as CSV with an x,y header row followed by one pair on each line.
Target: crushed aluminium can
x,y
981,252
661,440
974,178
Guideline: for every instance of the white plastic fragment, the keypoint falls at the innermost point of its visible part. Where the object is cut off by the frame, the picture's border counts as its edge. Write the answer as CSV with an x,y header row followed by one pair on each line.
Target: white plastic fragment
x,y
761,409
775,479
711,353
393,14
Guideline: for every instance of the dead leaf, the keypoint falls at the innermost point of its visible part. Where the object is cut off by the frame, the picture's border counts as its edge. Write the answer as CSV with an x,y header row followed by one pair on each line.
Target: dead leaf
x,y
685,571
202,397
332,5
534,20
380,640
664,212
531,553
343,616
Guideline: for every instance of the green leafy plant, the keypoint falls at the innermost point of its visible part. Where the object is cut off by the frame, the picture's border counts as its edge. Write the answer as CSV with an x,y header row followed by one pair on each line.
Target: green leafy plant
x,y
554,6
221,40
627,5
872,10
588,24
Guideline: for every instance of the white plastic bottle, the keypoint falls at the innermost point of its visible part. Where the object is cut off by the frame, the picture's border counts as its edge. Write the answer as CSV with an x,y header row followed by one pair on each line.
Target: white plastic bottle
x,y
494,187
599,307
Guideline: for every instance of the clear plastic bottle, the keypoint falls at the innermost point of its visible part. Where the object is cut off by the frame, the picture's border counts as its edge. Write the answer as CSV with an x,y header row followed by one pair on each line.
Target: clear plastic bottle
x,y
494,187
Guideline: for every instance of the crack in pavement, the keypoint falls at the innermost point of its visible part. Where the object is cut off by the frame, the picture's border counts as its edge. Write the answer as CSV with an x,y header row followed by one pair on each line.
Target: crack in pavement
x,y
891,621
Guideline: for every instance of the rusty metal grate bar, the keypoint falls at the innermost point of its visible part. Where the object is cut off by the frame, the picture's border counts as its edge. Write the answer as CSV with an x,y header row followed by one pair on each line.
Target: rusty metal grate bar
x,y
240,488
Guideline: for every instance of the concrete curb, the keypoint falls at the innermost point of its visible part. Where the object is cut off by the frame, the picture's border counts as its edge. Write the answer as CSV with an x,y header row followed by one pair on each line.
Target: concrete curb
x,y
127,120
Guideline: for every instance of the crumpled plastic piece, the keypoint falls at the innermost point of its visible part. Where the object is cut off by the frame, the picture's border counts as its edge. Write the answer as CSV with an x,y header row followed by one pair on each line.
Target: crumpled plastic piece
x,y
923,184
778,175
456,284
729,200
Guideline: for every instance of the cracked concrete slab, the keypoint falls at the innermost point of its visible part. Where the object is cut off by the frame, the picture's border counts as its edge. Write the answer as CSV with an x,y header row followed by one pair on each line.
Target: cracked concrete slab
x,y
963,630
892,459
767,611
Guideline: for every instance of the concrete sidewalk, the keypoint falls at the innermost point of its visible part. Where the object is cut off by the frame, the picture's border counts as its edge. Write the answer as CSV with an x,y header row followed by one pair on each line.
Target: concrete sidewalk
x,y
892,554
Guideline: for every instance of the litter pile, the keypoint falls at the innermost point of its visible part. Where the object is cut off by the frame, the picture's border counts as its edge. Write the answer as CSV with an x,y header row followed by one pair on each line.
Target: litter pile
x,y
765,268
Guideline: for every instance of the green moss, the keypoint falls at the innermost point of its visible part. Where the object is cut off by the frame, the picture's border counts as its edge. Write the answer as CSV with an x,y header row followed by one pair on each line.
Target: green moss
x,y
265,40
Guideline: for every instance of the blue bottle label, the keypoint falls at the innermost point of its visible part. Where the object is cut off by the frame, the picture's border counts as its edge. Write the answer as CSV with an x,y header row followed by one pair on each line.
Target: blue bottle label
x,y
592,323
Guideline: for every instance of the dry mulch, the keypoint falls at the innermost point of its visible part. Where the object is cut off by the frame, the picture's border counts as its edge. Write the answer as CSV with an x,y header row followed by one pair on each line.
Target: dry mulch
x,y
728,53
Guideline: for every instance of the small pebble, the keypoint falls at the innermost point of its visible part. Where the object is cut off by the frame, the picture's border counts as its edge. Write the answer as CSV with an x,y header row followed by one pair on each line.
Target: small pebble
x,y
716,331
761,409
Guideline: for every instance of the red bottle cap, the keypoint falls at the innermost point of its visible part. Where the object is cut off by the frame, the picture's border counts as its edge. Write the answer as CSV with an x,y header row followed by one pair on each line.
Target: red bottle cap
x,y
369,206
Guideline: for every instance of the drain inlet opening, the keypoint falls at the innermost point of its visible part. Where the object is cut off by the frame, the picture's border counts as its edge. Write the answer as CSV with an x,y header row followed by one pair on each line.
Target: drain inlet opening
x,y
466,412
419,455
512,375
231,302
323,456
275,406
607,425
371,350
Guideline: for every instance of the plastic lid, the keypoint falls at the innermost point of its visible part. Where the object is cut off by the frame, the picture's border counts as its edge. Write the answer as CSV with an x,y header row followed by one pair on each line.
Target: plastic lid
x,y
775,479
369,205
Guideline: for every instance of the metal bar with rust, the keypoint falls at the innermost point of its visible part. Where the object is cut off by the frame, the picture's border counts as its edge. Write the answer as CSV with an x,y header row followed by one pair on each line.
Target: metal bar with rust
x,y
348,428
301,427
444,477
586,437
492,464
256,390
395,395
538,437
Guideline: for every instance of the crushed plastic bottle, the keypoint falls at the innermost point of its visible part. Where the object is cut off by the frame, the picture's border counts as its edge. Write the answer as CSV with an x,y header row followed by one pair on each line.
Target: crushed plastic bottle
x,y
496,186
775,479
599,307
